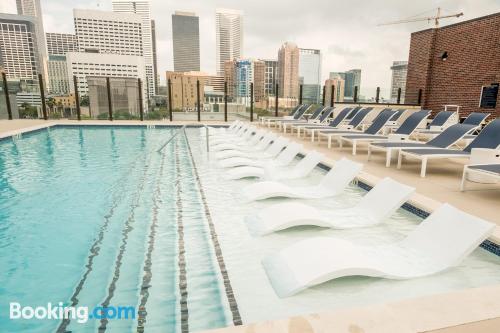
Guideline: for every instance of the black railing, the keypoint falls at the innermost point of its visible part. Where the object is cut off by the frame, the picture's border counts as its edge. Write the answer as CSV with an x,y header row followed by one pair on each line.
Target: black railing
x,y
7,97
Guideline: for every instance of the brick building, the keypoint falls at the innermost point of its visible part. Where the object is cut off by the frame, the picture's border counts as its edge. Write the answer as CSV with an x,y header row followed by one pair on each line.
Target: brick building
x,y
452,63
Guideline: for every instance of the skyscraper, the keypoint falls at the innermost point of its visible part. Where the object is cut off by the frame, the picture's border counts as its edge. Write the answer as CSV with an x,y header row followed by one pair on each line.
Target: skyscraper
x,y
352,79
186,41
270,76
143,9
155,57
108,32
399,71
20,54
338,93
229,36
57,46
310,75
288,70
33,8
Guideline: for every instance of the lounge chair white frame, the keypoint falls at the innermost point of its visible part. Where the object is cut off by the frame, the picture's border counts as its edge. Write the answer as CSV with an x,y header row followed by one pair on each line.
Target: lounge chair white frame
x,y
373,208
483,173
333,183
440,242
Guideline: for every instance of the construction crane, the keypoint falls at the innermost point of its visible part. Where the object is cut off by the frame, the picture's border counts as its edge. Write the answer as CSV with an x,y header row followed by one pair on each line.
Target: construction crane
x,y
428,19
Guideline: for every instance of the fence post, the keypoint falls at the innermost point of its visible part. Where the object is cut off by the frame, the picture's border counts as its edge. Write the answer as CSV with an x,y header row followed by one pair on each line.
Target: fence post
x,y
332,97
77,98
355,97
300,94
225,101
251,101
399,96
324,92
198,98
141,102
377,96
276,100
170,98
42,96
110,102
419,101
7,97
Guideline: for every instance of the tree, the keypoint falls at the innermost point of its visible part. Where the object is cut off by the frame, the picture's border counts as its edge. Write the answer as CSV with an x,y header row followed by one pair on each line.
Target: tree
x,y
84,101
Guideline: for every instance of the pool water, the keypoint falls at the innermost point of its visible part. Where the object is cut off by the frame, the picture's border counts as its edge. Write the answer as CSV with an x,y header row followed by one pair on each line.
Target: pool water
x,y
95,216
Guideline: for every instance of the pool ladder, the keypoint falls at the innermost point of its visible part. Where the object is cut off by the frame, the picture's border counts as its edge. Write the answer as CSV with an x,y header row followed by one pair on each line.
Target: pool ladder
x,y
183,128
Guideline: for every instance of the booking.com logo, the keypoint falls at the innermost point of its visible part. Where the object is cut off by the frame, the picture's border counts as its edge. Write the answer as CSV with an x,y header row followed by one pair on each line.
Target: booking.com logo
x,y
81,313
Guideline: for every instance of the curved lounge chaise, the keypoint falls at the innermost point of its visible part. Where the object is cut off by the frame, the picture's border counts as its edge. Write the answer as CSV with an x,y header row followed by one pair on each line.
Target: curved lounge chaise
x,y
270,152
303,168
258,142
333,183
441,241
376,206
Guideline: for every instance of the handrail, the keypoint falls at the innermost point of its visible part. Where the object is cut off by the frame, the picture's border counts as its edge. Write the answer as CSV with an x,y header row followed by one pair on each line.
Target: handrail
x,y
183,128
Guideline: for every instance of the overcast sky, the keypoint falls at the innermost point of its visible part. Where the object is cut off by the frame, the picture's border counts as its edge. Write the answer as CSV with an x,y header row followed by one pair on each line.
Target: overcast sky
x,y
346,32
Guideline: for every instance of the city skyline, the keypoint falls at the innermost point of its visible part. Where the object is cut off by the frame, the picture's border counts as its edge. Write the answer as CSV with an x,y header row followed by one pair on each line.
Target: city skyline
x,y
346,41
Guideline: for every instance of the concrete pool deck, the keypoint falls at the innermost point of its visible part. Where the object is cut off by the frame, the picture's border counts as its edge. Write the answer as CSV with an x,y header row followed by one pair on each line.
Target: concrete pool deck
x,y
471,310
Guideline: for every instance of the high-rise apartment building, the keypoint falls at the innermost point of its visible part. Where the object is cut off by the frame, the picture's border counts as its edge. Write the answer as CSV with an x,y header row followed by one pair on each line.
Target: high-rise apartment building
x,y
108,32
20,48
143,9
288,70
60,44
310,75
229,36
270,76
338,90
399,72
240,74
352,80
186,41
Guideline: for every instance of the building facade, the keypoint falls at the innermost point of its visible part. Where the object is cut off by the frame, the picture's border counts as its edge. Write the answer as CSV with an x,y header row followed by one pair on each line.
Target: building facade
x,y
58,75
229,37
310,75
60,44
184,89
241,74
398,80
288,70
338,90
352,80
84,65
453,63
155,58
20,48
270,76
186,41
143,9
108,32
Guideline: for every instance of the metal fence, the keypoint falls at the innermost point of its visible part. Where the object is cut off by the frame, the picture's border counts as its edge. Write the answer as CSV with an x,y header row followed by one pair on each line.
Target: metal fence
x,y
112,98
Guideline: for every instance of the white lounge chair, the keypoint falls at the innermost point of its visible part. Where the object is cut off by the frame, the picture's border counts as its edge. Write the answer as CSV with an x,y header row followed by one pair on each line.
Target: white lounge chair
x,y
241,135
271,151
284,158
376,206
491,171
333,183
259,141
272,172
441,241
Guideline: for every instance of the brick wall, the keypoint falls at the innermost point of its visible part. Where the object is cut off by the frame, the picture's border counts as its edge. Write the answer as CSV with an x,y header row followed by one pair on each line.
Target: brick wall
x,y
473,49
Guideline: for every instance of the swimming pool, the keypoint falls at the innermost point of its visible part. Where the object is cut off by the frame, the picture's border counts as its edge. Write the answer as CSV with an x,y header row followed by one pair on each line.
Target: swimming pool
x,y
93,215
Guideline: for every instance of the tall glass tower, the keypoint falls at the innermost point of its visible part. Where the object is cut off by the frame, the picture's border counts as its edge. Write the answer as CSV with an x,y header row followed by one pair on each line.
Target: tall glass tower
x,y
186,41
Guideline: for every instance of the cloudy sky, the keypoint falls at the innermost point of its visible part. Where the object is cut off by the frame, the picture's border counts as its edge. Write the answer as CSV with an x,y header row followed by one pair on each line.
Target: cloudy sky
x,y
346,32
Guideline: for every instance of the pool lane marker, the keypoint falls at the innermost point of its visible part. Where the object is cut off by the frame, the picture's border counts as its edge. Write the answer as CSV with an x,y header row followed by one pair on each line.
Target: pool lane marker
x,y
95,249
233,305
183,290
148,263
127,228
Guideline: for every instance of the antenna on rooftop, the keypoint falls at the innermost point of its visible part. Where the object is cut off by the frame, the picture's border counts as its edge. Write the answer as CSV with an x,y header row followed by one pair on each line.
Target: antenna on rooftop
x,y
435,18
